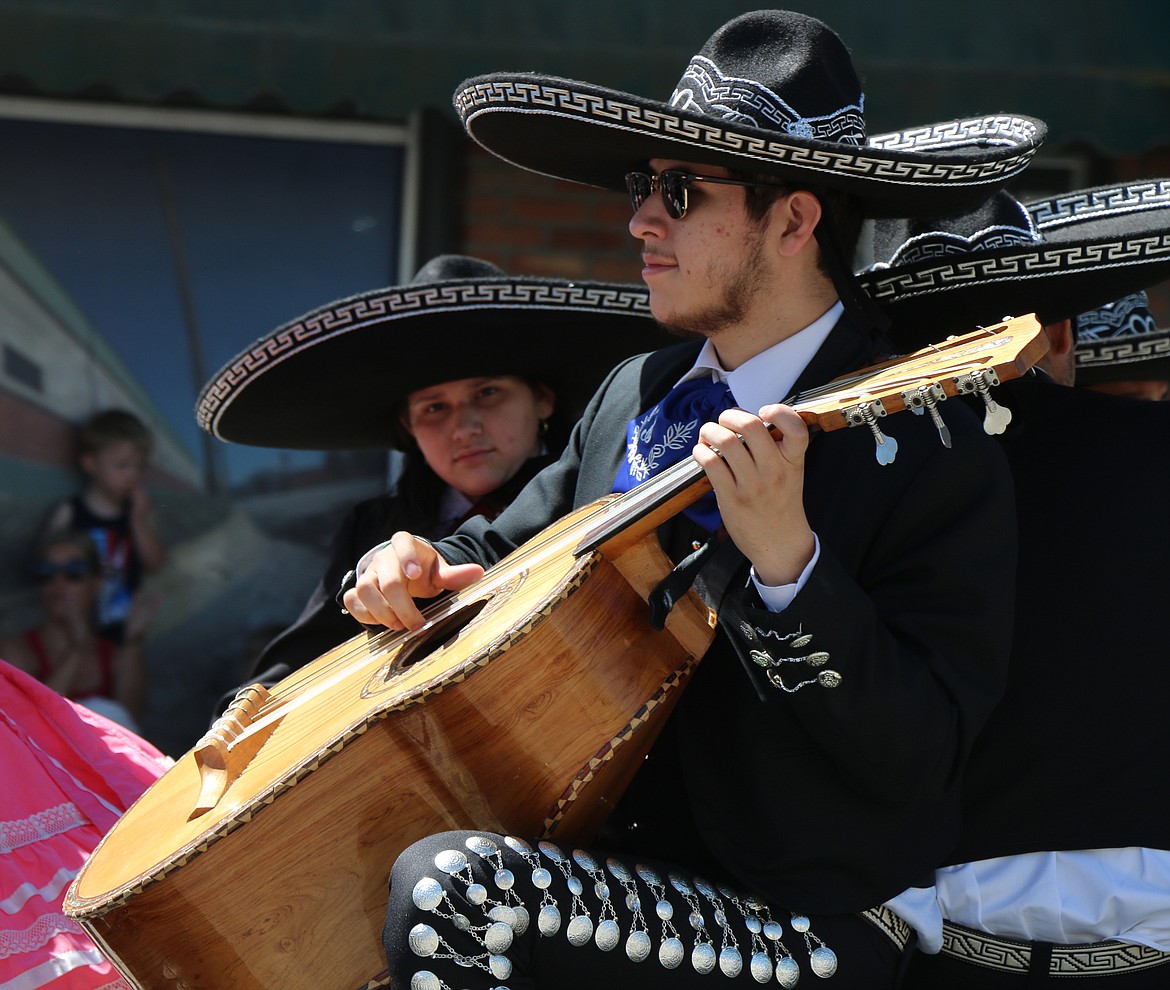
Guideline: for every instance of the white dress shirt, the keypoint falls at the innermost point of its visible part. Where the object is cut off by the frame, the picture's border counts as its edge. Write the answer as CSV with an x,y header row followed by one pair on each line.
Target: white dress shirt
x,y
1071,897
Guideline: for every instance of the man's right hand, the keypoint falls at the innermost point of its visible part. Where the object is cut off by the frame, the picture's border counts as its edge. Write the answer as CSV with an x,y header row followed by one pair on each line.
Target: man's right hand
x,y
405,569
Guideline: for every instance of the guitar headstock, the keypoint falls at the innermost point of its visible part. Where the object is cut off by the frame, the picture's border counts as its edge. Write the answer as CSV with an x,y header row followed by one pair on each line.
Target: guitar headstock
x,y
969,364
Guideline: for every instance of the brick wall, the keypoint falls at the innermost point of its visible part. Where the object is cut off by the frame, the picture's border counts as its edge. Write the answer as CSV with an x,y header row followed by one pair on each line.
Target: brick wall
x,y
532,225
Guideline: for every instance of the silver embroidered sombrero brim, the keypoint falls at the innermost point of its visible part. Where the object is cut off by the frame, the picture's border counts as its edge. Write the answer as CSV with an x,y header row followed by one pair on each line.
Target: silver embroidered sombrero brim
x,y
571,130
1054,257
773,92
332,378
1121,340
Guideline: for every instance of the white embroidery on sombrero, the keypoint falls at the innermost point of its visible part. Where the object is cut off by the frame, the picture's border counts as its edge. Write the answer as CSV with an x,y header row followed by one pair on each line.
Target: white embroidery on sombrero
x,y
378,308
705,89
1127,317
940,244
1096,203
559,100
1042,263
1131,350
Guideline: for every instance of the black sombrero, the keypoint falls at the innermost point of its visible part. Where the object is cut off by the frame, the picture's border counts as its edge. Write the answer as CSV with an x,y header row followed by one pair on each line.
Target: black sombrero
x,y
1121,340
772,91
331,379
1053,257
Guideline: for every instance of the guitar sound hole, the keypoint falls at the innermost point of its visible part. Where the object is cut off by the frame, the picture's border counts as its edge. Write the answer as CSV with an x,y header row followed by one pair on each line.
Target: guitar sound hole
x,y
434,639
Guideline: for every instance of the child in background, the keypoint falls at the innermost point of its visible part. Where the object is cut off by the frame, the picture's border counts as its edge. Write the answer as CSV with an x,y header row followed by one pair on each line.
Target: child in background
x,y
115,510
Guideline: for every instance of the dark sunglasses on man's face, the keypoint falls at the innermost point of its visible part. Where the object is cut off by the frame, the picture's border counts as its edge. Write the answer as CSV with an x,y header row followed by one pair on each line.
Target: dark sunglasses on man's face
x,y
673,185
72,570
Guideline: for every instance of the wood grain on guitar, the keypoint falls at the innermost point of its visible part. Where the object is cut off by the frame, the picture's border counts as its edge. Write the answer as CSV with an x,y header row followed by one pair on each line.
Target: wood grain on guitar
x,y
524,705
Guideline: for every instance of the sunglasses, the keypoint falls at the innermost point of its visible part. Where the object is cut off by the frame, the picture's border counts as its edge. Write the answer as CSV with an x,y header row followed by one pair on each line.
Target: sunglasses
x,y
71,570
673,186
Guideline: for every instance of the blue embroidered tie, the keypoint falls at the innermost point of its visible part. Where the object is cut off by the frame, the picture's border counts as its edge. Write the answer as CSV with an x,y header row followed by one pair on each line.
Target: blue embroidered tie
x,y
667,432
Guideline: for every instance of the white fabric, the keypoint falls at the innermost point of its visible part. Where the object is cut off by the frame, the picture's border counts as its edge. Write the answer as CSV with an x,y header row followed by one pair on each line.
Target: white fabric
x,y
1071,897
770,375
918,907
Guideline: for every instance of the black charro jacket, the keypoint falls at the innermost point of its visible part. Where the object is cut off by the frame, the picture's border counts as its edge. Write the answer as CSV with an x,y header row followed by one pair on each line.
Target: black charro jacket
x,y
827,799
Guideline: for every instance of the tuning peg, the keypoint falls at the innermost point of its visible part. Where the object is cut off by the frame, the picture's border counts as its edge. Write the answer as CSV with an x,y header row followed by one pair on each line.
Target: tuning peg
x,y
926,398
995,417
867,413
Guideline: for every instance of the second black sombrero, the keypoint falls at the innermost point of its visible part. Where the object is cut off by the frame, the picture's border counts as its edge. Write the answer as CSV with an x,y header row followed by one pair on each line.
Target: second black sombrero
x,y
1054,257
332,378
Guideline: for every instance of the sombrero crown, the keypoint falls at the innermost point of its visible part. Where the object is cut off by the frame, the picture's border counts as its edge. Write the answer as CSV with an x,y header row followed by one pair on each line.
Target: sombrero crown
x,y
772,91
1121,340
1055,257
332,378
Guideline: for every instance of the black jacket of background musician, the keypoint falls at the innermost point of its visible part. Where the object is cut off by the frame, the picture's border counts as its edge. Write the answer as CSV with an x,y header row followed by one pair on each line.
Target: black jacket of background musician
x,y
826,800
322,624
1075,755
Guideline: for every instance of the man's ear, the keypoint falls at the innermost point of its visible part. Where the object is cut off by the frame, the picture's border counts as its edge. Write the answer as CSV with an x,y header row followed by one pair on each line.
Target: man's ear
x,y
1061,339
796,216
546,401
1061,360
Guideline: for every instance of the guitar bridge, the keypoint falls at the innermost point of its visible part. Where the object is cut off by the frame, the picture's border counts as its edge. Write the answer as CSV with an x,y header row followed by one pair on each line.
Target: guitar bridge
x,y
229,746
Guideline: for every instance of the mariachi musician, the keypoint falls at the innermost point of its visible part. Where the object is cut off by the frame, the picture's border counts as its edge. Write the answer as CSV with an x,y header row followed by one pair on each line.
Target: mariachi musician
x,y
792,811
460,369
1062,865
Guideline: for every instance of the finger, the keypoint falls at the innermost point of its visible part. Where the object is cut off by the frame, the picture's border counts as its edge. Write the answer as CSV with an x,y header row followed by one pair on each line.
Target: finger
x,y
415,556
791,432
380,595
367,605
456,577
727,440
717,444
753,434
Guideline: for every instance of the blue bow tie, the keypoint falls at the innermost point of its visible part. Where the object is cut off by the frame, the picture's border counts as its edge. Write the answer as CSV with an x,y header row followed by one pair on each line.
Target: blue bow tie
x,y
667,432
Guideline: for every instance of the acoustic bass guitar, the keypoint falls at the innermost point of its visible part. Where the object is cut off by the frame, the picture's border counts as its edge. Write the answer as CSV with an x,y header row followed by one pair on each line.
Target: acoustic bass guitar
x,y
524,705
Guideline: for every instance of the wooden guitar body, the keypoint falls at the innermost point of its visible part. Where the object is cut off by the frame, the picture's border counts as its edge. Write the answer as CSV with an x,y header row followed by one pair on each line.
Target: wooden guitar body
x,y
372,747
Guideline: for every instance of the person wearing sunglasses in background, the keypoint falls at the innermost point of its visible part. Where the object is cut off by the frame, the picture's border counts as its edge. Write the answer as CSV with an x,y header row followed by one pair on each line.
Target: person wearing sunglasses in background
x,y
807,780
67,651
68,768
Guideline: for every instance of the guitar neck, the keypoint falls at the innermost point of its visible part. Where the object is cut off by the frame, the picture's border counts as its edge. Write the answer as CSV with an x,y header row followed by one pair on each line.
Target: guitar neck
x,y
971,363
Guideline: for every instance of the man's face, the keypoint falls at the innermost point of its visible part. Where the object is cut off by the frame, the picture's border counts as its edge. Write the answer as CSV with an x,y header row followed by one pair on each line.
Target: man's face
x,y
476,433
710,270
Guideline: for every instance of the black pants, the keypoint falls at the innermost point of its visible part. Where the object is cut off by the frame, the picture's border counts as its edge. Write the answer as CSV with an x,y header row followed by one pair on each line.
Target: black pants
x,y
478,910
